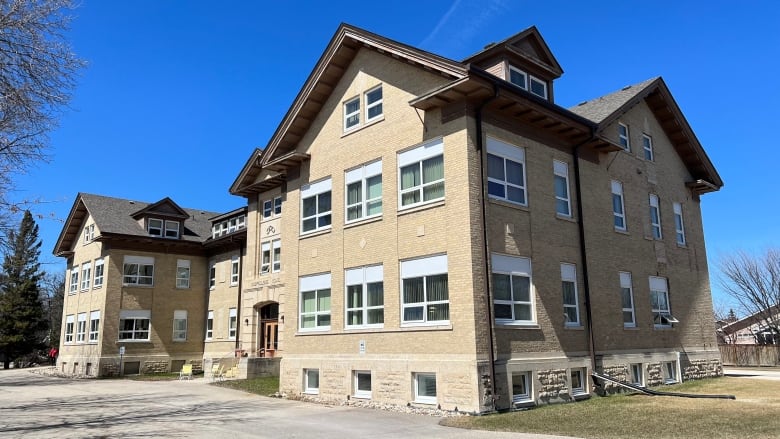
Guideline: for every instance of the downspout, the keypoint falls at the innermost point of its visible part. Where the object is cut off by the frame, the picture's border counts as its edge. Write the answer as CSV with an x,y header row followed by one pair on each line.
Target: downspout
x,y
486,250
238,305
584,252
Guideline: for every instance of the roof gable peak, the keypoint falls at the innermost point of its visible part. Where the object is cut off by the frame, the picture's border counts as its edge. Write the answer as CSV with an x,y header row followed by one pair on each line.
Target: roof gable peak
x,y
165,207
526,47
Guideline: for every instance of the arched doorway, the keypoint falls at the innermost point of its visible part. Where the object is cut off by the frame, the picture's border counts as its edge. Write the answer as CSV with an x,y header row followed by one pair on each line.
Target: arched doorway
x,y
268,330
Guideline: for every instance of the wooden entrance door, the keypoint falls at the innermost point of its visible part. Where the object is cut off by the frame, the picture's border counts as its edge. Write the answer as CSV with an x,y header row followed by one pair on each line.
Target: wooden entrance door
x,y
270,337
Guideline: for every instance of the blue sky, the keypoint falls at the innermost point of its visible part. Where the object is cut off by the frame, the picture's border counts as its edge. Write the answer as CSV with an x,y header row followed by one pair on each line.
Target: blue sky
x,y
178,94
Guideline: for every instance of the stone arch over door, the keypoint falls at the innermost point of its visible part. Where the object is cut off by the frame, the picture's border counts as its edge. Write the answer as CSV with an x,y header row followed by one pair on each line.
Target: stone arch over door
x,y
267,336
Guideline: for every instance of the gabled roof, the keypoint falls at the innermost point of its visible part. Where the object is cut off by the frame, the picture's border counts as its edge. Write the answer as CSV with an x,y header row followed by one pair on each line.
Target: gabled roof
x,y
753,319
654,92
165,207
114,216
339,53
527,45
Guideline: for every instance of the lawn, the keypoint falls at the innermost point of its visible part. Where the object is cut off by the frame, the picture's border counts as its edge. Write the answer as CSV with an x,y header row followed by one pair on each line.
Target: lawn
x,y
261,385
754,414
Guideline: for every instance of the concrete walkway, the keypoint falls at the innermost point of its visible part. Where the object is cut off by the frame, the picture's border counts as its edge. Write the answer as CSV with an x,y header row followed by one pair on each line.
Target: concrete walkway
x,y
761,373
37,406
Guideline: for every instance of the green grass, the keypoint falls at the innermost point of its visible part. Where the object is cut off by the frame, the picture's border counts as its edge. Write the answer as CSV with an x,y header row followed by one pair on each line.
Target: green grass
x,y
752,416
261,385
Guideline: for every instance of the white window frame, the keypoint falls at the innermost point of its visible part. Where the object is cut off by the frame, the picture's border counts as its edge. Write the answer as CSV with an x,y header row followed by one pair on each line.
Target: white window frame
x,y
265,257
137,279
99,273
534,80
561,171
351,114
647,145
276,255
662,317
137,316
89,233
655,217
422,268
356,384
525,378
317,190
311,381
86,276
569,276
94,326
363,277
626,286
172,232
271,209
157,228
70,322
179,334
209,325
320,285
513,69
583,385
361,176
415,158
374,104
669,372
507,152
74,280
624,138
183,273
679,224
212,275
235,271
419,397
636,374
81,327
514,266
617,191
232,323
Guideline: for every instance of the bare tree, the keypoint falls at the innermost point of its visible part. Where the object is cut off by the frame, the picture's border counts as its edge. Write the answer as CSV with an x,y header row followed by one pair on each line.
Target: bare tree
x,y
754,282
37,76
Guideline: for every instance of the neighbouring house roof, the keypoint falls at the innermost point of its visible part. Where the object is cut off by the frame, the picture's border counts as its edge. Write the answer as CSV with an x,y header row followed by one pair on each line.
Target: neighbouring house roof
x,y
758,318
117,216
609,108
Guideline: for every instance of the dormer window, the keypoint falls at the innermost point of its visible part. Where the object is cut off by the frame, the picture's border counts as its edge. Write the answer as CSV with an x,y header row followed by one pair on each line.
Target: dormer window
x,y
522,80
155,226
538,87
162,228
518,77
171,229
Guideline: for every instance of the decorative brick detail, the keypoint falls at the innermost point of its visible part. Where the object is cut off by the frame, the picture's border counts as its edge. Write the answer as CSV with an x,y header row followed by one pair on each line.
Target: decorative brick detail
x,y
698,369
552,386
655,376
109,369
157,366
619,372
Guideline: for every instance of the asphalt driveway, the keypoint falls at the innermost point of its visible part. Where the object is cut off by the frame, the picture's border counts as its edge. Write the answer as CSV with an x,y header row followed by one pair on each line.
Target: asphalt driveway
x,y
33,405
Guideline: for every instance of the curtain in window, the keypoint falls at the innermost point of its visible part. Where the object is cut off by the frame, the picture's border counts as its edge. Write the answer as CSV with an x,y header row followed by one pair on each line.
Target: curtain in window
x,y
323,305
374,193
436,288
355,300
410,178
354,197
433,170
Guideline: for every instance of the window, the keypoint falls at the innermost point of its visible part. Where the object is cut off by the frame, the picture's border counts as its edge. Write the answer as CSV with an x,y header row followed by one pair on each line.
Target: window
x,y
278,206
276,244
512,295
98,282
265,257
655,217
314,302
81,329
623,138
210,325
627,298
571,305
234,271
506,172
351,113
212,275
232,323
134,324
74,280
180,325
364,192
311,381
316,208
86,276
679,226
69,322
647,144
562,202
659,298
618,207
182,273
171,229
521,386
373,104
538,87
365,297
425,388
578,383
138,270
362,383
89,233
421,174
425,291
272,207
669,370
94,326
154,226
636,377
518,77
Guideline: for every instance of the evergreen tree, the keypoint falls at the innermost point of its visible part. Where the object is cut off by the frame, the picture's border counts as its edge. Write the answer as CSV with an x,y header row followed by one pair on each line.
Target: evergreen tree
x,y
23,323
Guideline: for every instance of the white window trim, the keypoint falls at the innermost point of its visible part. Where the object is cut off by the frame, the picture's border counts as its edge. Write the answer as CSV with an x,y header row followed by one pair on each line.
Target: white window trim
x,y
522,397
515,266
232,323
70,328
561,169
307,387
533,79
86,276
135,315
183,263
177,335
361,175
418,155
617,189
569,274
89,233
524,74
647,145
139,261
583,389
424,399
373,104
81,328
363,276
158,229
660,285
94,335
270,206
315,190
172,232
624,137
655,224
507,151
235,271
347,116
265,249
209,331
626,282
670,371
637,374
97,281
276,256
73,288
355,382
315,283
679,224
212,275
423,267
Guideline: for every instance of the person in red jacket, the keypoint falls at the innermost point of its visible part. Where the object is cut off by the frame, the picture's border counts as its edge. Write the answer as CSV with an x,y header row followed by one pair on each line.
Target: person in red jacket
x,y
53,356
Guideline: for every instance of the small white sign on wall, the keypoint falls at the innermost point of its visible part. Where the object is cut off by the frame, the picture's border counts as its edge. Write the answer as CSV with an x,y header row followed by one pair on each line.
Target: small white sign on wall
x,y
362,347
